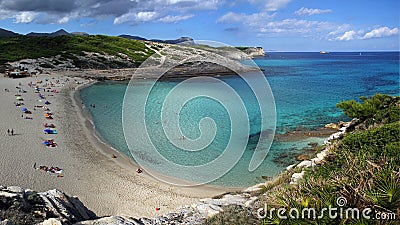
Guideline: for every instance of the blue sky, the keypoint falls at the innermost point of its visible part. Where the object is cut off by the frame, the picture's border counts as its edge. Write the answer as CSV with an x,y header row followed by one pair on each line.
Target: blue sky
x,y
282,25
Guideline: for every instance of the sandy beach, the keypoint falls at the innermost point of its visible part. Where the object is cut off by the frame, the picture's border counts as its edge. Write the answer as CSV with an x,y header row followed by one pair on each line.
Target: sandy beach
x,y
106,185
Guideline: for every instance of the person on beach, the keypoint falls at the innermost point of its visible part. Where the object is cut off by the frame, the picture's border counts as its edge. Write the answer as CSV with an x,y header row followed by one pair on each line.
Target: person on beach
x,y
8,131
12,132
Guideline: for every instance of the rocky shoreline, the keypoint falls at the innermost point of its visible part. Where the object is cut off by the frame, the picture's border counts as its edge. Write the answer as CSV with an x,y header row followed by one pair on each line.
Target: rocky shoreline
x,y
153,73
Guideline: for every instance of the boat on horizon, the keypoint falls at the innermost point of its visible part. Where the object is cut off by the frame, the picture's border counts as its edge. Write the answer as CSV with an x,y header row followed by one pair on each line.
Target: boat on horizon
x,y
323,52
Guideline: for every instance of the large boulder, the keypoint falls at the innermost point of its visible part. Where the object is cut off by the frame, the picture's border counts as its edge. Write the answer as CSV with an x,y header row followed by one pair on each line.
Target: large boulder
x,y
19,206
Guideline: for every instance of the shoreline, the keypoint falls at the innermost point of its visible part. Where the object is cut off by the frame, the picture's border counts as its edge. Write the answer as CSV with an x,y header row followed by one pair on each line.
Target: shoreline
x,y
105,185
127,162
125,74
290,136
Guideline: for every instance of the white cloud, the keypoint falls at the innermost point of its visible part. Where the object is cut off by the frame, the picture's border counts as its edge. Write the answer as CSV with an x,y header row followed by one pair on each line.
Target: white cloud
x,y
274,5
263,24
381,32
135,16
254,19
174,19
309,12
122,11
193,4
65,19
145,16
270,5
362,35
25,17
347,36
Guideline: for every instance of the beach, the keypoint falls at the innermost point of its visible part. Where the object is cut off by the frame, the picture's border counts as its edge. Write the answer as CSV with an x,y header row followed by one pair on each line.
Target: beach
x,y
106,185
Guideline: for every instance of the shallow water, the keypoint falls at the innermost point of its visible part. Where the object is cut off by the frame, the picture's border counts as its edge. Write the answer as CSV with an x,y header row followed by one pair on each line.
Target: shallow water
x,y
306,87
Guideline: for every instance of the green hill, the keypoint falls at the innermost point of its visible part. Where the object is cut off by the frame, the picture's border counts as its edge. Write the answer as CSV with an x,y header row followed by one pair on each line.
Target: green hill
x,y
69,47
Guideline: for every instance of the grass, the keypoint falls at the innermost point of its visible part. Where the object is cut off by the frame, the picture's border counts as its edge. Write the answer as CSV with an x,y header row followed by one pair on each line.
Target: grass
x,y
23,47
363,168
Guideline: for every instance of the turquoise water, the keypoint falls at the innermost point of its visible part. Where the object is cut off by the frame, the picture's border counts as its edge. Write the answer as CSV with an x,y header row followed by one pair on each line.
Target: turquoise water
x,y
306,87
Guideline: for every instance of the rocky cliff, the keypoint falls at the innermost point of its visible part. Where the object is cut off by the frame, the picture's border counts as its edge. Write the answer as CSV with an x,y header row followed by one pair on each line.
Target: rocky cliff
x,y
254,52
23,207
19,206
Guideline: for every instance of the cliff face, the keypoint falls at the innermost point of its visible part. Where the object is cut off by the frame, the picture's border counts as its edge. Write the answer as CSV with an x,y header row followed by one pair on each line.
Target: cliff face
x,y
254,52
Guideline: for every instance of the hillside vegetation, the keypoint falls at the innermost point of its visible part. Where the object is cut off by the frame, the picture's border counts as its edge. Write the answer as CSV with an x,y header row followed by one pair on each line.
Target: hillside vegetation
x,y
362,171
25,47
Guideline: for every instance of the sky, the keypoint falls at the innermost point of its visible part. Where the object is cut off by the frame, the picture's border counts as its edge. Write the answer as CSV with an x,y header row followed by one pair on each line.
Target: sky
x,y
275,25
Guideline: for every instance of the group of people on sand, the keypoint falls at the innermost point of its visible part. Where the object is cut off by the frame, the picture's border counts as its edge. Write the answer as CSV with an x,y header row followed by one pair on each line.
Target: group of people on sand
x,y
10,132
49,169
40,87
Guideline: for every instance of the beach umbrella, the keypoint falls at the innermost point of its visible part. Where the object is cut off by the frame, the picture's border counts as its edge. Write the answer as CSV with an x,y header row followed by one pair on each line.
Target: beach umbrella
x,y
47,103
19,98
24,109
46,115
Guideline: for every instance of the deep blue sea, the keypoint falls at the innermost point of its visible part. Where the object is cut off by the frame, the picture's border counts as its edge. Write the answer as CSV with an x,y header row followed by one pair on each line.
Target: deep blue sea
x,y
306,88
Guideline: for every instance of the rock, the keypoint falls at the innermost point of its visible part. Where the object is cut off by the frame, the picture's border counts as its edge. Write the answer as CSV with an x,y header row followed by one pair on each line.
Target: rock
x,y
15,189
113,220
332,126
302,157
322,154
283,155
306,163
67,209
6,222
334,136
296,177
208,210
254,188
28,205
316,161
8,194
344,124
250,201
51,221
234,199
290,167
313,144
211,201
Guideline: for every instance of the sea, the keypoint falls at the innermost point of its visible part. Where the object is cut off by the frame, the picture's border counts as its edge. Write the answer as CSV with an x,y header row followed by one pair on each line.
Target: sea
x,y
306,87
